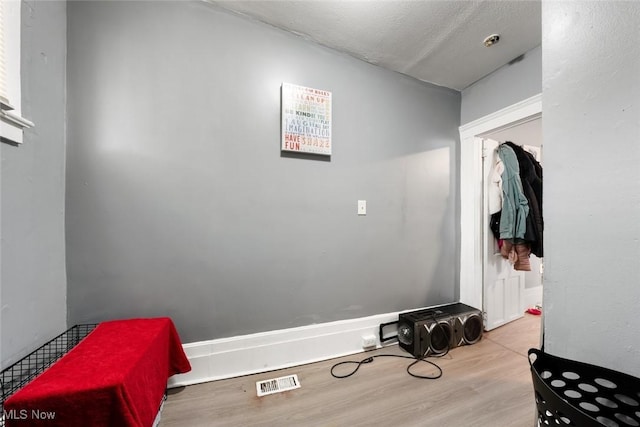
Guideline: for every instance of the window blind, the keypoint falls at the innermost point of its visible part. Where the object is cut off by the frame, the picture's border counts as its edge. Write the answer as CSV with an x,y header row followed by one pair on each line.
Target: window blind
x,y
3,66
11,121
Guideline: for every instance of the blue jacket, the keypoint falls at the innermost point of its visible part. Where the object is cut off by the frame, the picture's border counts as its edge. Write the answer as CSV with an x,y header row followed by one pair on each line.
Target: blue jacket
x,y
515,207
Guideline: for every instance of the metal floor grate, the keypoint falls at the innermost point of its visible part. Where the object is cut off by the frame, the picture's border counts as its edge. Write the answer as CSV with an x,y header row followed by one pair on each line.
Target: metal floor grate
x,y
277,385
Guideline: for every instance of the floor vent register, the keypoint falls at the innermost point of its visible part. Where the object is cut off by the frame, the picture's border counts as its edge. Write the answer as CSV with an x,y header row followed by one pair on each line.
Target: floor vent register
x,y
277,385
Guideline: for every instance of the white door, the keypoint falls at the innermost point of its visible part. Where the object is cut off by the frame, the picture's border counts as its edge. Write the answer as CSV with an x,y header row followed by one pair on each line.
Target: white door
x,y
503,287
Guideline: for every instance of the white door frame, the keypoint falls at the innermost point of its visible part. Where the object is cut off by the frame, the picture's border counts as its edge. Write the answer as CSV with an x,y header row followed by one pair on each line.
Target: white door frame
x,y
471,230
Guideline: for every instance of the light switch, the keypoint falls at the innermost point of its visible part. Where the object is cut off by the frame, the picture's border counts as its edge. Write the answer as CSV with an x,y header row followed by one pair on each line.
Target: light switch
x,y
362,207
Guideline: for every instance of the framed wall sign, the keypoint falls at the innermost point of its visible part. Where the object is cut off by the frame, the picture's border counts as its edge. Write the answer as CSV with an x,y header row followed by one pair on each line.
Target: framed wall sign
x,y
306,120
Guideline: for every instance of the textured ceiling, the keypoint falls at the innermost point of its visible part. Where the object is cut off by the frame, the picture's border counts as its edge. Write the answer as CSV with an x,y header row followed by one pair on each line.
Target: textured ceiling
x,y
439,42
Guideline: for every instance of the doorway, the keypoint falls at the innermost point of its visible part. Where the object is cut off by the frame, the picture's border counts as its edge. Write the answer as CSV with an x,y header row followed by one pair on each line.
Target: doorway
x,y
507,292
472,233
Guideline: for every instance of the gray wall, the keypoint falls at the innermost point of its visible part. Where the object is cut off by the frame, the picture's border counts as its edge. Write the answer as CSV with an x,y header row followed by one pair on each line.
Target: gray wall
x,y
33,249
591,130
514,82
179,202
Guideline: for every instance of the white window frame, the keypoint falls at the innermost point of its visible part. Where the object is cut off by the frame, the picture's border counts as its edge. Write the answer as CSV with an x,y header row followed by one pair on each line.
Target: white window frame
x,y
12,123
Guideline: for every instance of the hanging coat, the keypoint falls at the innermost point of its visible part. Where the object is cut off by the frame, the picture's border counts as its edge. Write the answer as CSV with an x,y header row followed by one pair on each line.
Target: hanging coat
x,y
515,207
531,179
494,188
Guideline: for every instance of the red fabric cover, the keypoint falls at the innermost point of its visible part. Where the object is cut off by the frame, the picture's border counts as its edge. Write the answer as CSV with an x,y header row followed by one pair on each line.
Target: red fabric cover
x,y
115,377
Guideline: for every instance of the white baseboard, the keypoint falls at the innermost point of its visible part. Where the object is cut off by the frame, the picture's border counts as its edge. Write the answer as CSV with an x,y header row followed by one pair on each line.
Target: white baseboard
x,y
268,351
532,296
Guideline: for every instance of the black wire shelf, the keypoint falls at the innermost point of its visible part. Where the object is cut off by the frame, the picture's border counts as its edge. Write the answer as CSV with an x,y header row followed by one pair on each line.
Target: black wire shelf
x,y
26,369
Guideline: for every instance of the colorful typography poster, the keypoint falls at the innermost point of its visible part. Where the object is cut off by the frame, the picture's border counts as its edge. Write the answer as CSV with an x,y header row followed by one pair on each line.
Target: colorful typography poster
x,y
306,120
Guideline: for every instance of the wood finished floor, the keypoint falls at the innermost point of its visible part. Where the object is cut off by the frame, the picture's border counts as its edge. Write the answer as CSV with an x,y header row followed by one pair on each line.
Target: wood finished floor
x,y
485,384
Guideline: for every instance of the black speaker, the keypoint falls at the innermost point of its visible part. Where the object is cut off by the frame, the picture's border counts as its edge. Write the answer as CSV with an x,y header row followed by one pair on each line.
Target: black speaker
x,y
436,330
424,332
466,323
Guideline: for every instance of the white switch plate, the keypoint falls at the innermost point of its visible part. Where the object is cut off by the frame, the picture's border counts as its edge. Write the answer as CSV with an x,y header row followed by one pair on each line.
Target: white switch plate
x,y
362,207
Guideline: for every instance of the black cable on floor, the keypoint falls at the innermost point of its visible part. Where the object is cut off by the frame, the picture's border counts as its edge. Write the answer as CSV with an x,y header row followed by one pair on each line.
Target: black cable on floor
x,y
371,358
